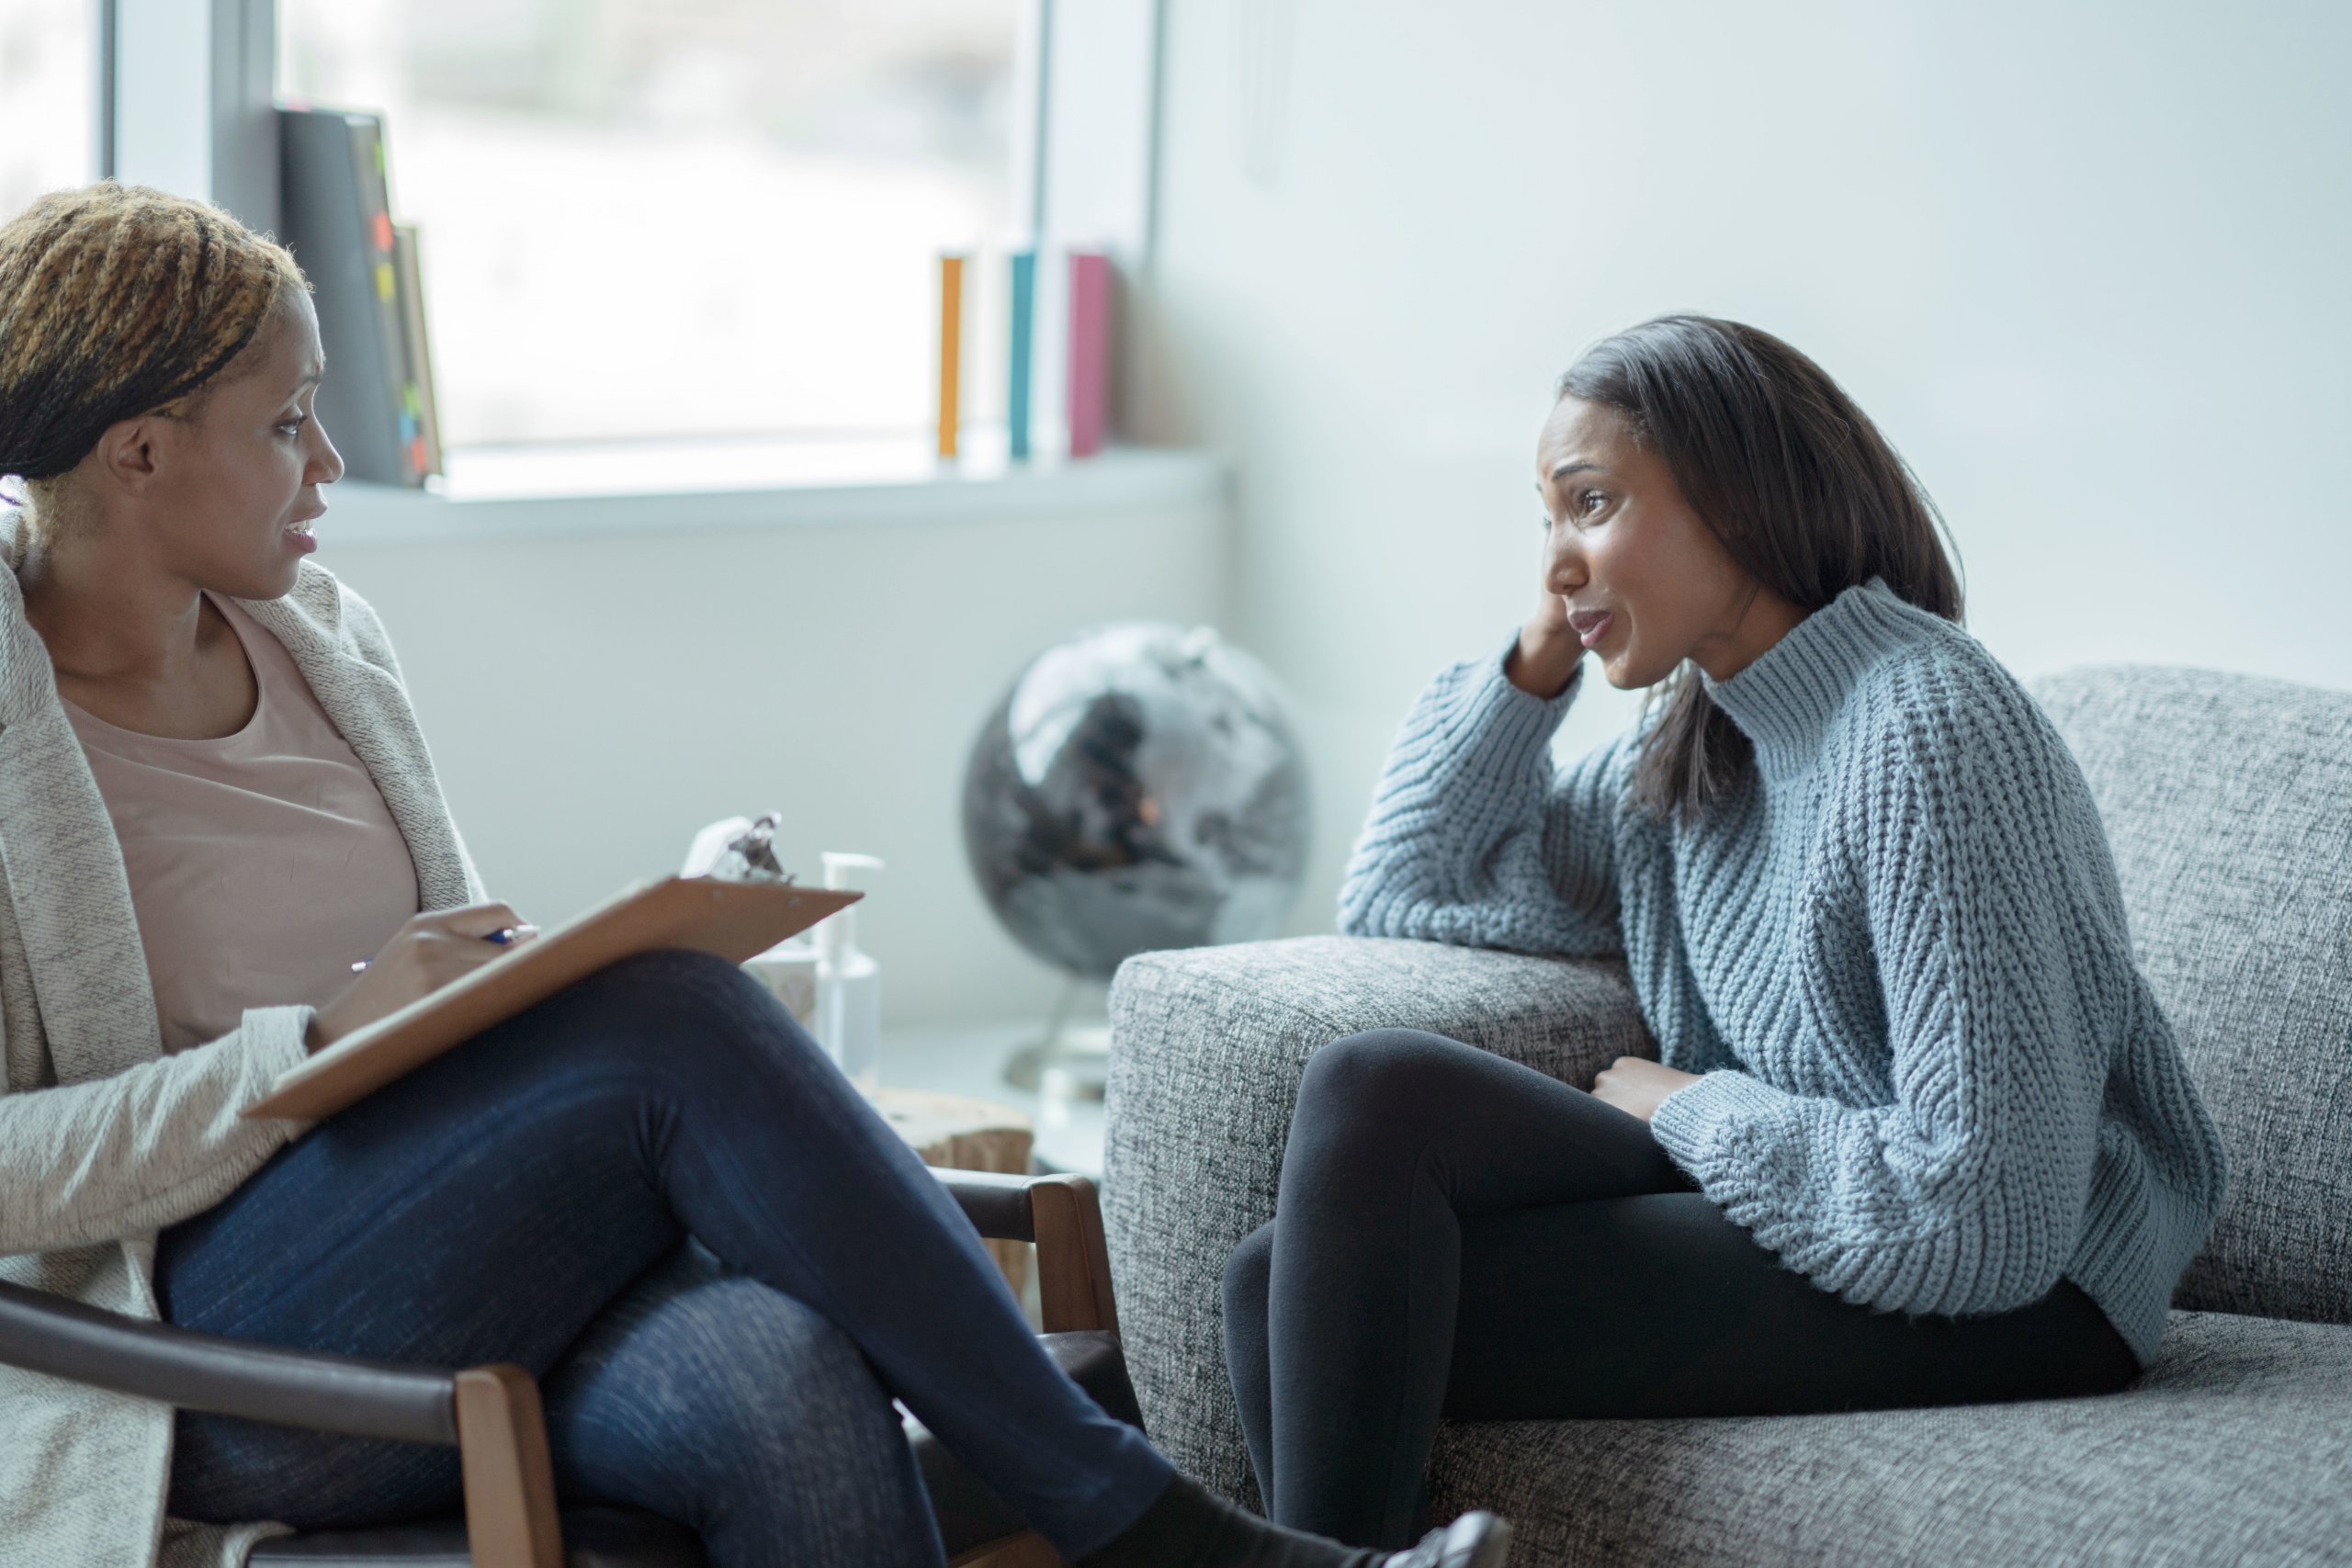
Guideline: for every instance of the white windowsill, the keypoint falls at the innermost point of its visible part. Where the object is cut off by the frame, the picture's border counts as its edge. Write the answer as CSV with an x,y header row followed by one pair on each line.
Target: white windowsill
x,y
645,487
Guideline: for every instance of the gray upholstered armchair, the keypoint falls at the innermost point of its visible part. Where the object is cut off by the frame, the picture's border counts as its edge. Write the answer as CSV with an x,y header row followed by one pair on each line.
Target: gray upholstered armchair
x,y
2229,802
491,1413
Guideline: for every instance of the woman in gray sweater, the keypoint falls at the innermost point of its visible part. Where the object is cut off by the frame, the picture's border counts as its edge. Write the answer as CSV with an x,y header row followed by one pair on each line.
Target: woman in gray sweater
x,y
651,1190
1918,1132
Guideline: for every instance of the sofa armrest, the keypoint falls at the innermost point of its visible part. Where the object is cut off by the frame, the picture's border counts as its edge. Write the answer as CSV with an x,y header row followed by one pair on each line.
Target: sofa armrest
x,y
1208,1045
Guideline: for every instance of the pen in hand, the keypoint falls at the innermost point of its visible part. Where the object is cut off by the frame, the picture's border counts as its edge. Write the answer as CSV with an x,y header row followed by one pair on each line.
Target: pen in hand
x,y
506,937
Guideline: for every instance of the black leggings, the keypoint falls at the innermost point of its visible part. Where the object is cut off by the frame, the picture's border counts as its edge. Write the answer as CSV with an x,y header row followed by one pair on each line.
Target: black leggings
x,y
1459,1234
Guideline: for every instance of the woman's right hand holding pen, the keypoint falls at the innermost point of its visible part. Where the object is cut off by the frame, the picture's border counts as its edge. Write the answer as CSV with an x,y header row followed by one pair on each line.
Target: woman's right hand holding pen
x,y
424,955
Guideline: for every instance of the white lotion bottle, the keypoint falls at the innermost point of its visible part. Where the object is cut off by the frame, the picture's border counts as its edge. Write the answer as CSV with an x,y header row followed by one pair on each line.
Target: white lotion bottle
x,y
849,984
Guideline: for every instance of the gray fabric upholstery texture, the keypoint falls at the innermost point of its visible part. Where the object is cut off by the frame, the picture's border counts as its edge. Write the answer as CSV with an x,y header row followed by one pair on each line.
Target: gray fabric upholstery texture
x,y
2235,1448
2229,802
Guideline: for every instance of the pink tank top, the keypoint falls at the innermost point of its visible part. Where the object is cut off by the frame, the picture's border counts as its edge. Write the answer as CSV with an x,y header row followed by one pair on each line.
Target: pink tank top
x,y
263,864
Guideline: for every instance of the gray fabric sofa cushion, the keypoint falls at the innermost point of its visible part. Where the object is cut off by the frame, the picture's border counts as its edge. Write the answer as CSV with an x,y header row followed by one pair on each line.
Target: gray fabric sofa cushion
x,y
1209,1045
2229,802
2234,1448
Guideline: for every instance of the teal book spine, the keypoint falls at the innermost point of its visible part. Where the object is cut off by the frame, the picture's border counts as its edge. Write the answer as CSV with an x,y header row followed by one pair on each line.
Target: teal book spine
x,y
1025,311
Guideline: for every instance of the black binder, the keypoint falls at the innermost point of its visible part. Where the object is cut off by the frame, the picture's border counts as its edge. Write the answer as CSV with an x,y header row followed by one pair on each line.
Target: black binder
x,y
377,399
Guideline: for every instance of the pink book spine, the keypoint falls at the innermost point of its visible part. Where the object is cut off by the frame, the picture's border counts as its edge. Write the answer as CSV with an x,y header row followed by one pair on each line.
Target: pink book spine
x,y
1090,350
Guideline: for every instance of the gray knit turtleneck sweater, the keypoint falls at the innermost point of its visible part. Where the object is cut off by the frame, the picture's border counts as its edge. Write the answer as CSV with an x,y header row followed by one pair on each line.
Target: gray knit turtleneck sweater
x,y
1935,1081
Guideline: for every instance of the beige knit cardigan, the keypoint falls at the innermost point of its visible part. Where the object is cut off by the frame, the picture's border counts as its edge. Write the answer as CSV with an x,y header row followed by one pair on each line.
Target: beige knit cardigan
x,y
104,1140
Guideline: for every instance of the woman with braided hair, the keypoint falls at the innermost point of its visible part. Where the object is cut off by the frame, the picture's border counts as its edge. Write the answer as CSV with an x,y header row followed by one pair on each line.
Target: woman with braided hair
x,y
652,1190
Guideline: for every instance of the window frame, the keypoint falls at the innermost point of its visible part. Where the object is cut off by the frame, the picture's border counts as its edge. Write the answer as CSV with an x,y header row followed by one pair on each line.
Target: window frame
x,y
187,99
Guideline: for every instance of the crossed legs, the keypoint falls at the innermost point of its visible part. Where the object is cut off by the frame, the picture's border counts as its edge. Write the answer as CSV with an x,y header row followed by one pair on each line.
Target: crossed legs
x,y
508,1201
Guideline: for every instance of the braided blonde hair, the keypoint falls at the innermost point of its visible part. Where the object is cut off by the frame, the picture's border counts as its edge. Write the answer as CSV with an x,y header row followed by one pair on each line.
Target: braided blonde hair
x,y
118,301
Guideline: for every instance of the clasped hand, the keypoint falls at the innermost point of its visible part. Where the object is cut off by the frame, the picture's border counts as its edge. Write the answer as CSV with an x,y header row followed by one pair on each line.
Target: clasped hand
x,y
1637,1087
424,955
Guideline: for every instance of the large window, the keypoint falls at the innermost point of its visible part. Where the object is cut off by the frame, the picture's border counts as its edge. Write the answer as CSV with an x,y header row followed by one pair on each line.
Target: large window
x,y
47,118
671,218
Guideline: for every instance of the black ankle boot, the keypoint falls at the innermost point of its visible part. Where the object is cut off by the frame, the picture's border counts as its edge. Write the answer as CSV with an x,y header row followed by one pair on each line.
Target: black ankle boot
x,y
1190,1526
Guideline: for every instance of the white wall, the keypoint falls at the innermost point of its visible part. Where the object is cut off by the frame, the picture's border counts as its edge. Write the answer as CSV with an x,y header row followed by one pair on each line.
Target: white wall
x,y
2086,262
594,694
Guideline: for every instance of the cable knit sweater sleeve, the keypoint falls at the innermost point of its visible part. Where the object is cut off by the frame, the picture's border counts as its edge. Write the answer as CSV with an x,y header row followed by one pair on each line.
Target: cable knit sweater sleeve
x,y
1472,841
1999,961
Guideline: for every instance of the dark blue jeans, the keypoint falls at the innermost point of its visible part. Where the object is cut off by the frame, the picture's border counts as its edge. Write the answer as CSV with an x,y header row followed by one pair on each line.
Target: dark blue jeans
x,y
655,1192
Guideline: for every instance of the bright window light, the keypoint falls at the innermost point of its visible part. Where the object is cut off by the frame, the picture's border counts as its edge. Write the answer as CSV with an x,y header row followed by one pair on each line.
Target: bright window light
x,y
661,219
47,118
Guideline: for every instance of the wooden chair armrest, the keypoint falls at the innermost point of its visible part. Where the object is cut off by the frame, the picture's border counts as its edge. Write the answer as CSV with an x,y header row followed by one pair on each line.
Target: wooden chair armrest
x,y
997,1204
510,1518
1062,1215
491,1415
1073,1261
44,1332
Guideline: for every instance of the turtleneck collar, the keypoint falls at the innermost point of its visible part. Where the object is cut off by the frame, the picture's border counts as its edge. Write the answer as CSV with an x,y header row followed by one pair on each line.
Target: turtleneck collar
x,y
1786,699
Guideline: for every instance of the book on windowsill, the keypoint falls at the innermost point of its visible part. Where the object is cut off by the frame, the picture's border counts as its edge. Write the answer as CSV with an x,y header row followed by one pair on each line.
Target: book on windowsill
x,y
377,401
733,919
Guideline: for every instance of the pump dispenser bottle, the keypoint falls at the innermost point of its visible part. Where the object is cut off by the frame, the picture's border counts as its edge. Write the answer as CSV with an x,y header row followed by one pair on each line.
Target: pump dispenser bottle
x,y
849,984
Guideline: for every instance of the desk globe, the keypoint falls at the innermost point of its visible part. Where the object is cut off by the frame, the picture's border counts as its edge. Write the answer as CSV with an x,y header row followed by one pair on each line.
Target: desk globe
x,y
1138,787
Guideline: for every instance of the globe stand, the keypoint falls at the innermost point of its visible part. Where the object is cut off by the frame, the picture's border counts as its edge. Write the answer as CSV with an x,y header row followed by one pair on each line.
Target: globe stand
x,y
1072,1062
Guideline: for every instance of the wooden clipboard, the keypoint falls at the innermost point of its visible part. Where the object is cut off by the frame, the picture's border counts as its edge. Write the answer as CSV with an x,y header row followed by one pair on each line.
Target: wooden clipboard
x,y
734,920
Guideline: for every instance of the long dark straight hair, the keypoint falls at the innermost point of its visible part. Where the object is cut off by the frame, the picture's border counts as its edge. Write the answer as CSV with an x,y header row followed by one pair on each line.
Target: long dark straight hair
x,y
1792,477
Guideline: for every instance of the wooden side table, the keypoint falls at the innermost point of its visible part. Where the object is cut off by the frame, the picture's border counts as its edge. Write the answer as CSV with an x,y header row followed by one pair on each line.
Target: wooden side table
x,y
957,1132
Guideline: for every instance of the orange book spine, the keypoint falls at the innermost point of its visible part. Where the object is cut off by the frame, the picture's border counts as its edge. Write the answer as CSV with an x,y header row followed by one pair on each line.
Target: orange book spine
x,y
951,349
